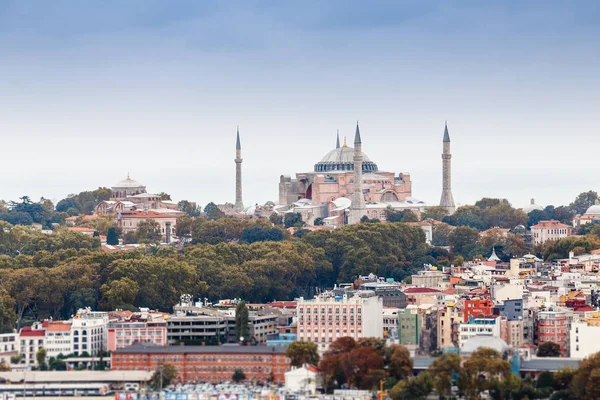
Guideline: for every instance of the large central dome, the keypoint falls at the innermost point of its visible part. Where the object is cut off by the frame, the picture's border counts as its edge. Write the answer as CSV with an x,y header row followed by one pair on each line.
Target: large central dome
x,y
342,159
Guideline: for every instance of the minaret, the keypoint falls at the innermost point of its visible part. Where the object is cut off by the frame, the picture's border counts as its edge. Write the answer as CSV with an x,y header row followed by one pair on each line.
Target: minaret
x,y
447,200
357,207
337,142
239,205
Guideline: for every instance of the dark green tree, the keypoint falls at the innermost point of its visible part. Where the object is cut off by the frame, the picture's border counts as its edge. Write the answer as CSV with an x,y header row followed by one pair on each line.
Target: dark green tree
x,y
112,238
213,212
238,375
463,240
189,208
436,213
293,220
148,231
302,352
548,349
7,311
40,357
241,322
163,376
276,219
583,201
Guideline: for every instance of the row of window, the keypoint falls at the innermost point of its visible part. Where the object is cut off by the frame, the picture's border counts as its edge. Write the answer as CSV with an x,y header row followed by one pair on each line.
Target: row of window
x,y
338,323
330,310
308,331
157,359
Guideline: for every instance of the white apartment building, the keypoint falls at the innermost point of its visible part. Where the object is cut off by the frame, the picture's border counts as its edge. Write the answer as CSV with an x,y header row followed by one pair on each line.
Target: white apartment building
x,y
89,331
480,326
327,318
58,338
31,338
583,340
549,230
9,346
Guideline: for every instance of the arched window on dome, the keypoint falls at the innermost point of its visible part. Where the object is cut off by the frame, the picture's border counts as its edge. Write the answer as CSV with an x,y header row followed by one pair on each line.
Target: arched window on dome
x,y
389,197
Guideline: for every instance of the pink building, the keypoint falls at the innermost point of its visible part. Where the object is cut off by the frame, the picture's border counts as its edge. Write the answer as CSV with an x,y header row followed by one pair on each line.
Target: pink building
x,y
327,318
125,333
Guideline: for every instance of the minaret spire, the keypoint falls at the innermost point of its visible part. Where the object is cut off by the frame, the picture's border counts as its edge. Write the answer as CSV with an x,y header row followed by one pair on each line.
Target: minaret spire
x,y
447,200
337,142
239,205
358,209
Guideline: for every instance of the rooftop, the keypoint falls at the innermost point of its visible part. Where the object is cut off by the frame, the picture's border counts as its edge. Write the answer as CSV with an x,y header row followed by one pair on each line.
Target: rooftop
x,y
144,348
416,290
550,224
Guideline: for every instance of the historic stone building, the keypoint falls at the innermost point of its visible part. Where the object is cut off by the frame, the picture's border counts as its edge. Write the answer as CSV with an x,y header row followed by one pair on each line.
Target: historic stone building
x,y
130,204
331,190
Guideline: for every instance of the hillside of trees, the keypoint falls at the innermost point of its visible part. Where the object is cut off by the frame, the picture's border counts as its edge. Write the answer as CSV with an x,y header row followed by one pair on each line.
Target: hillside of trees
x,y
45,275
258,259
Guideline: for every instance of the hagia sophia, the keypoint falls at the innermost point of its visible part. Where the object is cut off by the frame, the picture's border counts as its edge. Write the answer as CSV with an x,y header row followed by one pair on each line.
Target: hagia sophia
x,y
342,188
330,191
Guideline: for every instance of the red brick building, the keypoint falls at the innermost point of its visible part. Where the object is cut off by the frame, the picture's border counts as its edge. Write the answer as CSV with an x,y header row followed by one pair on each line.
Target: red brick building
x,y
553,326
212,364
478,308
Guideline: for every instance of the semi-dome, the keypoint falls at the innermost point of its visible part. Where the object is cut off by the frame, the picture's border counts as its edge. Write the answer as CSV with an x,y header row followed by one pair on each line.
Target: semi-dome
x,y
342,159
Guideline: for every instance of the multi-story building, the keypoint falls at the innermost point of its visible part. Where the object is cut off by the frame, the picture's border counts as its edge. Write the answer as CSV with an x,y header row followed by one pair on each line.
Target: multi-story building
x,y
327,318
511,309
214,364
479,326
478,307
58,338
553,326
584,339
449,319
89,331
125,333
428,279
409,326
418,328
9,346
511,331
32,339
197,325
549,230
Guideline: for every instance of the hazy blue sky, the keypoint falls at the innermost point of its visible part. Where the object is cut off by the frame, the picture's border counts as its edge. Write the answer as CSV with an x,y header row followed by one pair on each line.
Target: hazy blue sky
x,y
90,90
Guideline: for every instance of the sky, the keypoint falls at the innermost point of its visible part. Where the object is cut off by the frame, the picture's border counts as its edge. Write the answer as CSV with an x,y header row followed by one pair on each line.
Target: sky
x,y
91,90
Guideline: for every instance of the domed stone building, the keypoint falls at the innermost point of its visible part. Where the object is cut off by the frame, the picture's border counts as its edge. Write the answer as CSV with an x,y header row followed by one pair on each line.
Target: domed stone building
x,y
532,207
125,188
591,216
316,194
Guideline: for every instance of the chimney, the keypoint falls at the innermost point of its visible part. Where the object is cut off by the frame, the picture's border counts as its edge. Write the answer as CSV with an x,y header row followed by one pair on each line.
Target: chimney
x,y
168,232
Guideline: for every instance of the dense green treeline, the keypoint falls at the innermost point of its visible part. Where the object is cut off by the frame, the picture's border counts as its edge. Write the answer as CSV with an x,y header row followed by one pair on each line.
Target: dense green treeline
x,y
43,275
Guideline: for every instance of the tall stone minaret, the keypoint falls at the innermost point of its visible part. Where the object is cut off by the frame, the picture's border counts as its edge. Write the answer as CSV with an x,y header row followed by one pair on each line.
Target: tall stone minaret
x,y
447,200
358,208
239,205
